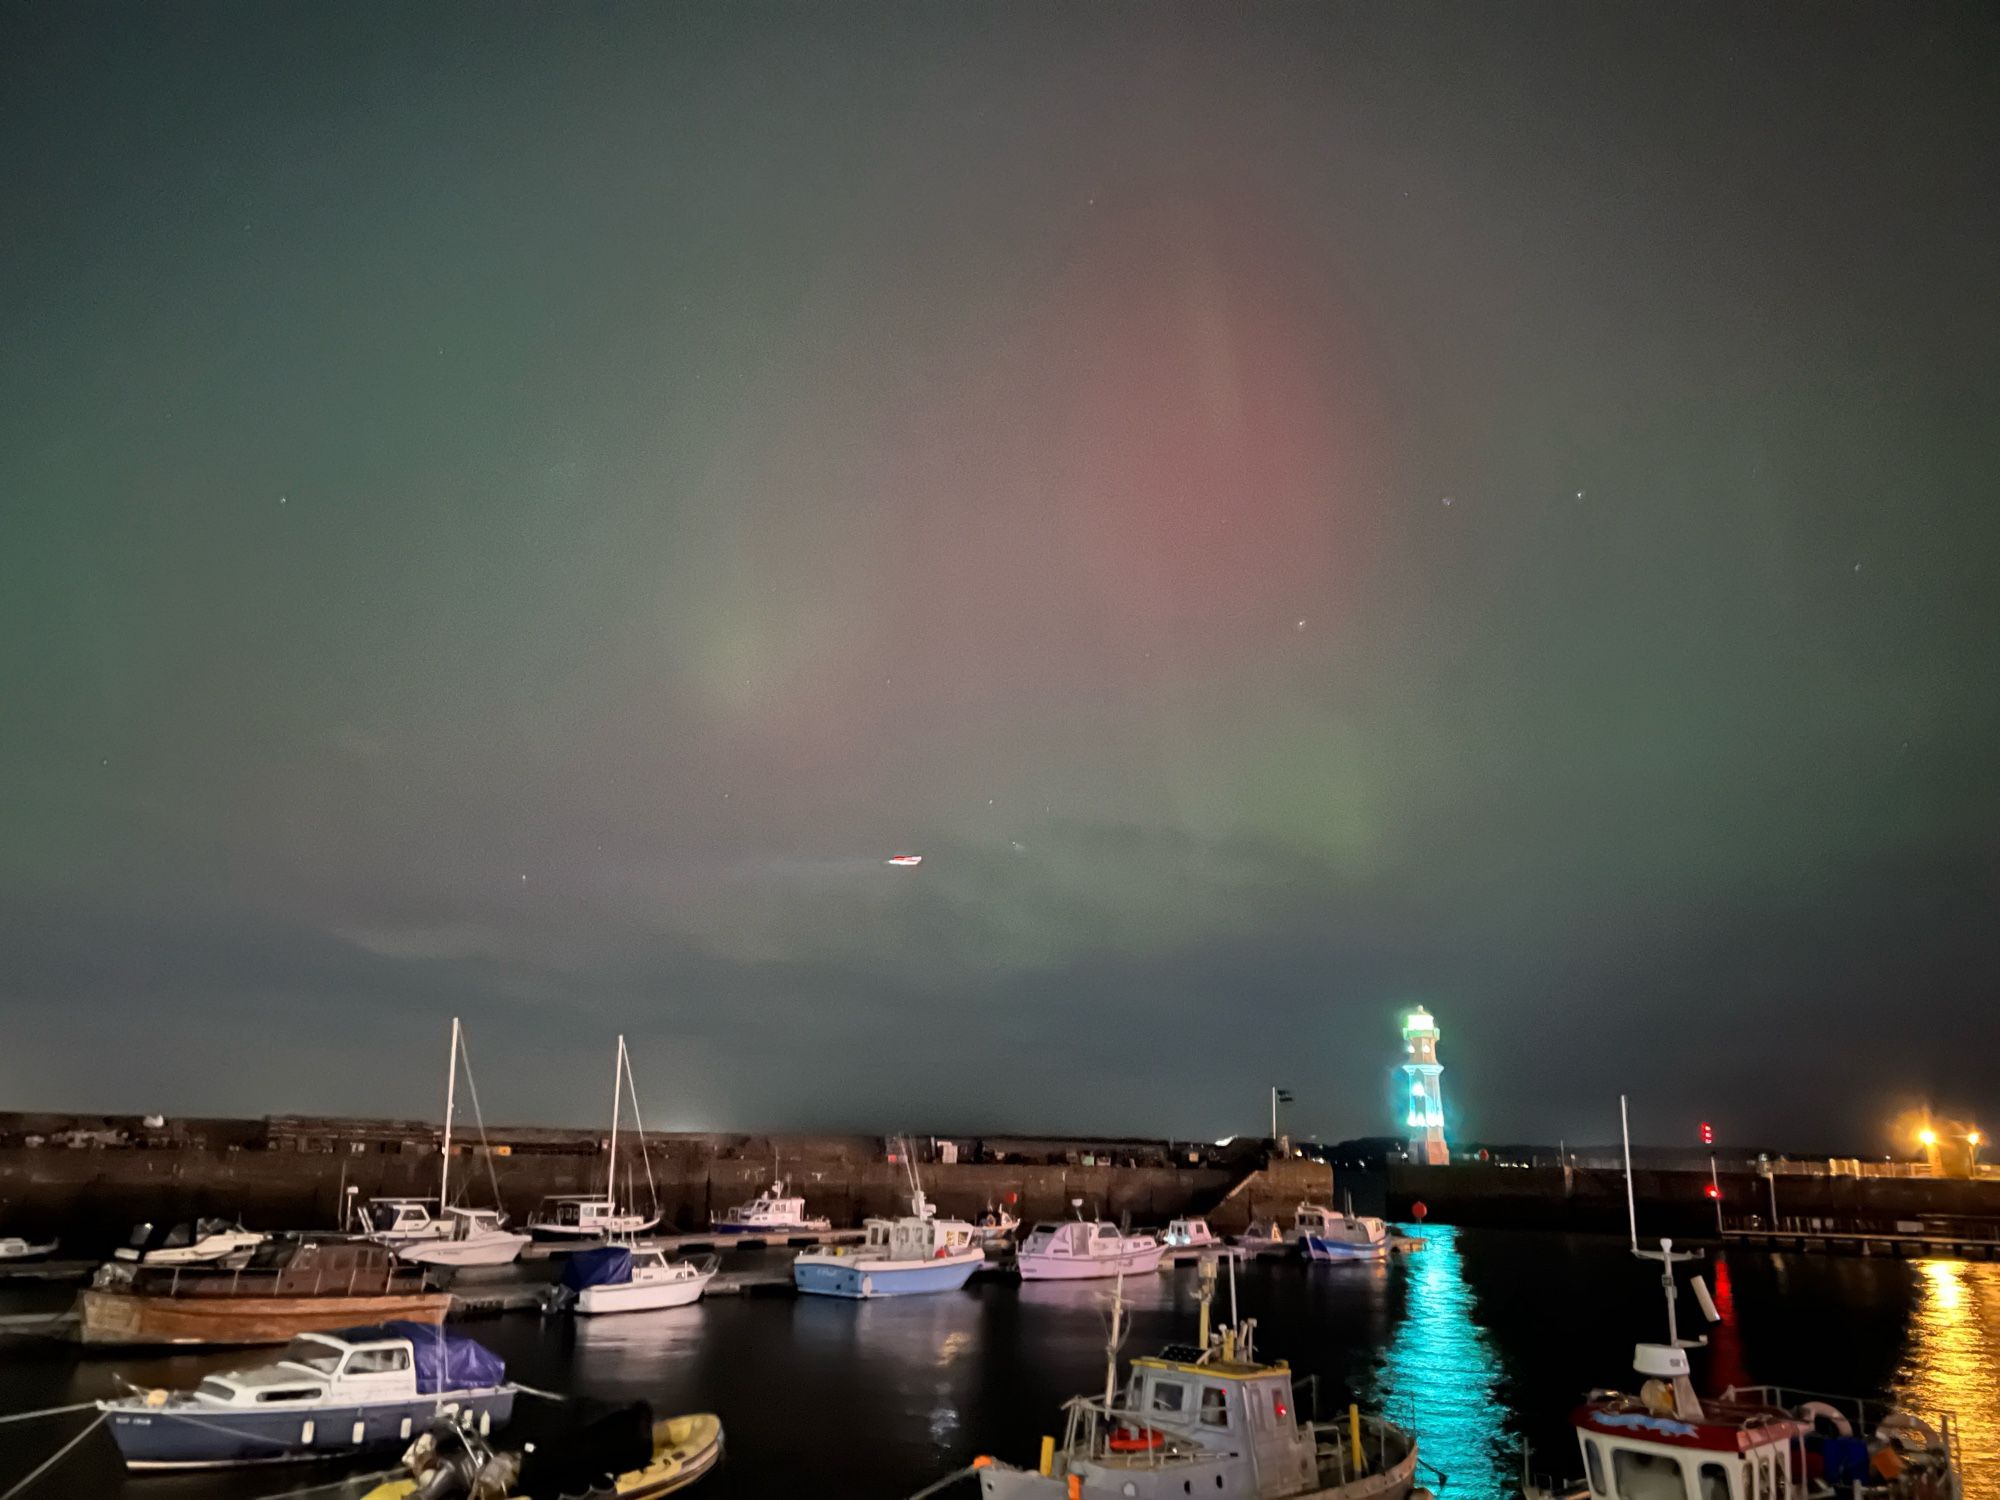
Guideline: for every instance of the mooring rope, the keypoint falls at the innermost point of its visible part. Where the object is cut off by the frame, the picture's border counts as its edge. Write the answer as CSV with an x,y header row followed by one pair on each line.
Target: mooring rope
x,y
47,1411
57,1457
939,1486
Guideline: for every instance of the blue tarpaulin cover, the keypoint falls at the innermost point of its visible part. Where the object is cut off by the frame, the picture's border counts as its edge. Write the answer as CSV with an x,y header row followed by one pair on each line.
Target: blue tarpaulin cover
x,y
448,1361
610,1266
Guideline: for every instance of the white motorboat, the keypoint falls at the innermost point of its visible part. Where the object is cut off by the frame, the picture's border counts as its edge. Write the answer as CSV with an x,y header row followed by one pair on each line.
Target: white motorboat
x,y
580,1219
206,1242
1080,1250
1323,1234
475,1237
773,1211
1190,1234
14,1249
446,1235
634,1278
1261,1235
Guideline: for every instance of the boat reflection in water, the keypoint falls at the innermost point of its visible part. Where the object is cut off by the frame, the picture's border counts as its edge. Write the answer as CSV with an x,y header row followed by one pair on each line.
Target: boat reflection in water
x,y
1440,1372
1952,1360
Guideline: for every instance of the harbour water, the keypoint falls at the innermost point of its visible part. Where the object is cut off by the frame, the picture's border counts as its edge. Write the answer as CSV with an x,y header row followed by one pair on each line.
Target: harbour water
x,y
1483,1340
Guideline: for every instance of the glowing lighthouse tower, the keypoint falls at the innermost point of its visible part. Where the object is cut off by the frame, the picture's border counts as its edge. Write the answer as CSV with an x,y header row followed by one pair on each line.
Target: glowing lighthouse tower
x,y
1423,1074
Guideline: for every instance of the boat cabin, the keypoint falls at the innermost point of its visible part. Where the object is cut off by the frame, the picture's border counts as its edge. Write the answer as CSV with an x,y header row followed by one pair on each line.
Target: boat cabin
x,y
1076,1238
915,1238
1665,1444
770,1207
401,1218
584,1212
1182,1233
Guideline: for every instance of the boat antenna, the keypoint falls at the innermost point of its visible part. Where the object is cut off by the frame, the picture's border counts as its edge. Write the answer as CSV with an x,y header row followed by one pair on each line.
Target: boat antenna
x,y
1631,1204
1232,1291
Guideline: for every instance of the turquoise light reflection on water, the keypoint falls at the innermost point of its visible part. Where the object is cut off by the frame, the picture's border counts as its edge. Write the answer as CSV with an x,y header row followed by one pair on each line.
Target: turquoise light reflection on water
x,y
1441,1372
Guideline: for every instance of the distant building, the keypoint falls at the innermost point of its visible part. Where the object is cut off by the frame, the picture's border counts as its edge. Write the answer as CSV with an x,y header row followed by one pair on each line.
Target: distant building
x,y
1423,1078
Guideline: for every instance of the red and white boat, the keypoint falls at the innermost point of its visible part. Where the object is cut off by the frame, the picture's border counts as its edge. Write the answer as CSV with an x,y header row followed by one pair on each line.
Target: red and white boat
x,y
1751,1443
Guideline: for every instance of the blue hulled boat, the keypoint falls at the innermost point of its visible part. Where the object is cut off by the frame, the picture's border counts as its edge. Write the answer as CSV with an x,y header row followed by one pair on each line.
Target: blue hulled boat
x,y
326,1396
899,1257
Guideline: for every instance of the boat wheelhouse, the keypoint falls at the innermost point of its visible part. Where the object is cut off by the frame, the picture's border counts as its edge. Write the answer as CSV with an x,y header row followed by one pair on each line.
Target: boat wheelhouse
x,y
773,1211
1187,1234
1081,1250
326,1396
401,1221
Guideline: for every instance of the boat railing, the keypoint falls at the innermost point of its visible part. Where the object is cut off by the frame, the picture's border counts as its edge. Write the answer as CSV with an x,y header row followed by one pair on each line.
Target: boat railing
x,y
1865,1413
1383,1447
1091,1424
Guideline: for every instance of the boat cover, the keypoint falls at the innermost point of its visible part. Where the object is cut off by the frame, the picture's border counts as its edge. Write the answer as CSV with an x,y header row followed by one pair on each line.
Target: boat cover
x,y
609,1266
447,1361
592,1442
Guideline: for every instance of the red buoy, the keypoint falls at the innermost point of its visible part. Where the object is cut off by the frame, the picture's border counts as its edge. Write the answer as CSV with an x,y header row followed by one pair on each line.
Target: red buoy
x,y
1418,1210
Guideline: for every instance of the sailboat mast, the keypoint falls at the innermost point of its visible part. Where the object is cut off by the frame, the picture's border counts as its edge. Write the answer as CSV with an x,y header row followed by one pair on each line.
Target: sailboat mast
x,y
450,1107
617,1098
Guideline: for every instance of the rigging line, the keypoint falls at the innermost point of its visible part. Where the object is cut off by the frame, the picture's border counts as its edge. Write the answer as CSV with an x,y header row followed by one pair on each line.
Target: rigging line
x,y
57,1457
645,1153
472,1088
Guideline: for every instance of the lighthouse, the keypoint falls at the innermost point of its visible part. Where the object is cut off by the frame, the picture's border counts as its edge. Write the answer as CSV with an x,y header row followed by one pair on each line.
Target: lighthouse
x,y
1424,1090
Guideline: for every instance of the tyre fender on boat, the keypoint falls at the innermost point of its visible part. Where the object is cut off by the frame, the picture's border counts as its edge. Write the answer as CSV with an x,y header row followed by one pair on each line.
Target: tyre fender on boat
x,y
1815,1412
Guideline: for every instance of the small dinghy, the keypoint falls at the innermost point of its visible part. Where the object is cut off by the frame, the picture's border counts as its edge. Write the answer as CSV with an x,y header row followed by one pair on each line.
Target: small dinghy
x,y
14,1250
592,1448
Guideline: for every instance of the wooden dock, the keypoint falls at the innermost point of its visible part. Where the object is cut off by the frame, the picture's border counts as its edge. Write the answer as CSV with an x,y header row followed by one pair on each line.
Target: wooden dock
x,y
713,1243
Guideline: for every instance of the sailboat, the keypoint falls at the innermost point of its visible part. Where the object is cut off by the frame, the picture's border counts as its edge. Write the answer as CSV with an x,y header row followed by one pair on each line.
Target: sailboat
x,y
579,1219
453,1236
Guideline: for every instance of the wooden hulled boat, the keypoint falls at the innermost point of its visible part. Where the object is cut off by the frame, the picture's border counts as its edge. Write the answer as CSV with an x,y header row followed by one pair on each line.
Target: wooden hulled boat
x,y
290,1286
596,1450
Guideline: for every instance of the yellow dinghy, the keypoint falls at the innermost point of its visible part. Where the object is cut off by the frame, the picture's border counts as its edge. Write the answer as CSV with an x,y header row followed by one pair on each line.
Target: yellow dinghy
x,y
684,1449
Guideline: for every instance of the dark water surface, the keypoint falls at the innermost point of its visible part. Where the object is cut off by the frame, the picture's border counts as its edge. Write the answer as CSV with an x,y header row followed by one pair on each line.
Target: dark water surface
x,y
1483,1339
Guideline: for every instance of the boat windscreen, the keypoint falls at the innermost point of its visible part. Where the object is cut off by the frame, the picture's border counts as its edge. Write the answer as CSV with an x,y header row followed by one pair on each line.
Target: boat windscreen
x,y
313,1354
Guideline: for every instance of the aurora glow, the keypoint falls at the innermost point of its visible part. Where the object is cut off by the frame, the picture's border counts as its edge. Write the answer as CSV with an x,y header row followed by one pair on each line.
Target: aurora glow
x,y
1296,512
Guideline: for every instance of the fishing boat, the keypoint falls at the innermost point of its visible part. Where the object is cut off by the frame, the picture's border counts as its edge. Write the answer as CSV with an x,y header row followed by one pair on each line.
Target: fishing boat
x,y
206,1242
1323,1234
292,1285
451,1236
1207,1418
773,1211
1081,1249
634,1278
1757,1442
576,1220
1190,1234
896,1258
327,1395
14,1250
609,1452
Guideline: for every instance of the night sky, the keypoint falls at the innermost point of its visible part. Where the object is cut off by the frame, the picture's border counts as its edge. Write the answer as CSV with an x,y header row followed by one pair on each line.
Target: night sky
x,y
1294,511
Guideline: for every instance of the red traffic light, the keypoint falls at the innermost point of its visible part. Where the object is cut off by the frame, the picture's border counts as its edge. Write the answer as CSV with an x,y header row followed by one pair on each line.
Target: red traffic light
x,y
1707,1133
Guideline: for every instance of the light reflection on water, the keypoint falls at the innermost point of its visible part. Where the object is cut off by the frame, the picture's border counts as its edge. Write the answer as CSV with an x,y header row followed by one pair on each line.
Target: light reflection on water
x,y
1439,1370
1952,1362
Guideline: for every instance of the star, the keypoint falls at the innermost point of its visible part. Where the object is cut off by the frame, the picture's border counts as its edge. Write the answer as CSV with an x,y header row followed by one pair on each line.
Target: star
x,y
1300,626
1447,499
